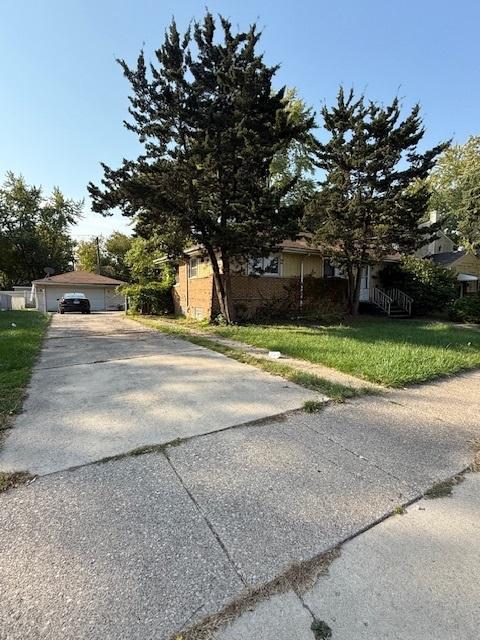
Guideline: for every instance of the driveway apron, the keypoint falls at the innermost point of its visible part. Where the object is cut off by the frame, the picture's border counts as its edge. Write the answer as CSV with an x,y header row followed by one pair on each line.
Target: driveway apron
x,y
105,385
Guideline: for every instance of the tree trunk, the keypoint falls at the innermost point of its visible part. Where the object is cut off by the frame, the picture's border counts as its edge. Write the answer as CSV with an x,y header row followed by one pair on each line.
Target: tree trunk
x,y
354,281
221,286
356,292
227,287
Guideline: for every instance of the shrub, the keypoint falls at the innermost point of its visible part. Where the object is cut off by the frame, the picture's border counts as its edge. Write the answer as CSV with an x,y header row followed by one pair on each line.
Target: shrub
x,y
323,300
466,309
153,298
432,287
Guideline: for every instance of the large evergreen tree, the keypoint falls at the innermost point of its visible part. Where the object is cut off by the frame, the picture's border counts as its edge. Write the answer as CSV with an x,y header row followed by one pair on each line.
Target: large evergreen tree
x,y
374,195
211,124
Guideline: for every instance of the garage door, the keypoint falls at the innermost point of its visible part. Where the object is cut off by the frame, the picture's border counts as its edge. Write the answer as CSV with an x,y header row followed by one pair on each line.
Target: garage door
x,y
95,295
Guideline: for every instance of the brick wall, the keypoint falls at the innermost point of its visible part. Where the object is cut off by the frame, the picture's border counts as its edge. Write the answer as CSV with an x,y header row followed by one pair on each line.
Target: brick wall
x,y
271,294
250,294
192,297
196,297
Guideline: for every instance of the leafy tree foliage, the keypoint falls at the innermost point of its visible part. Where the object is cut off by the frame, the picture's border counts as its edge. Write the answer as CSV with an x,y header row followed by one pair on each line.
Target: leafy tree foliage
x,y
152,298
431,286
211,125
372,198
117,245
113,251
295,165
34,231
86,255
455,184
139,260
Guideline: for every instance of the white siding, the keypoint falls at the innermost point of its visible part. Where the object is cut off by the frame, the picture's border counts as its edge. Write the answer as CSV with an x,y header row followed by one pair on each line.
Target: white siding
x,y
113,300
101,298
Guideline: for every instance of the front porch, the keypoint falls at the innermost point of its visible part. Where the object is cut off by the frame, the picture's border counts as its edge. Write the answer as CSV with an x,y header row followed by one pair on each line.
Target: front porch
x,y
391,302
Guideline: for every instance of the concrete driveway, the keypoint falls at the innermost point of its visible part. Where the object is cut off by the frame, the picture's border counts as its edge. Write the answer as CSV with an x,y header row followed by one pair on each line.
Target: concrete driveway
x,y
105,385
142,547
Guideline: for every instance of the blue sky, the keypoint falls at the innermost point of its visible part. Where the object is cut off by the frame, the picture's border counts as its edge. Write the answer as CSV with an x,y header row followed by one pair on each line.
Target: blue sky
x,y
64,97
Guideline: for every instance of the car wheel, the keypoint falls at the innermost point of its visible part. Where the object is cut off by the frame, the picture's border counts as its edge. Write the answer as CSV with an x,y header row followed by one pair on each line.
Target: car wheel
x,y
88,311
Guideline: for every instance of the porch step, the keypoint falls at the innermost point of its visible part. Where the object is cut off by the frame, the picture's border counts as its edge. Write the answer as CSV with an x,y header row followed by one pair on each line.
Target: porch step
x,y
389,302
398,312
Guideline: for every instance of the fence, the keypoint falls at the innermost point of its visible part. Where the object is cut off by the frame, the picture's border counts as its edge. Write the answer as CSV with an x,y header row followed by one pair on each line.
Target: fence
x,y
5,301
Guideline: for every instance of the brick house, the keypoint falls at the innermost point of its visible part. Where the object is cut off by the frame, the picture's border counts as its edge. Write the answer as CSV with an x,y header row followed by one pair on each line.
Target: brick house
x,y
295,278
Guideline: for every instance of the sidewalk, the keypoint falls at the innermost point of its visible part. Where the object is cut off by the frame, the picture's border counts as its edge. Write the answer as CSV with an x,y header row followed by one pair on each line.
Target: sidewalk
x,y
143,547
412,577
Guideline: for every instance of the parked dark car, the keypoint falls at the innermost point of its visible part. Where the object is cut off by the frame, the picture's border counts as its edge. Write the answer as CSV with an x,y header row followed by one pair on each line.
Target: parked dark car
x,y
74,302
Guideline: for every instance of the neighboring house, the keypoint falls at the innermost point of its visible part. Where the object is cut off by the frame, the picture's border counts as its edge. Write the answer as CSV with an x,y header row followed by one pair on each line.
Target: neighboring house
x,y
465,265
287,277
442,243
443,251
100,290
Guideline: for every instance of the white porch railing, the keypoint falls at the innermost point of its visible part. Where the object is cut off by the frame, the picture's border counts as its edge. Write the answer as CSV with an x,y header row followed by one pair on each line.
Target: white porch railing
x,y
401,299
382,300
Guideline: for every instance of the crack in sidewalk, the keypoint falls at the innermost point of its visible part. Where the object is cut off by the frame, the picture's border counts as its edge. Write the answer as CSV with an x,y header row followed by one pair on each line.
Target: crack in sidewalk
x,y
106,361
365,459
207,521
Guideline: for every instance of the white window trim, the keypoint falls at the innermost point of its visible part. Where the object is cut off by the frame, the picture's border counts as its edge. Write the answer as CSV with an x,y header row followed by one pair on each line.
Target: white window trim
x,y
197,262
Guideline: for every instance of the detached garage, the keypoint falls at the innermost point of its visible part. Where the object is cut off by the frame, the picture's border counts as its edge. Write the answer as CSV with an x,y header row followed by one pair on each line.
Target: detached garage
x,y
100,290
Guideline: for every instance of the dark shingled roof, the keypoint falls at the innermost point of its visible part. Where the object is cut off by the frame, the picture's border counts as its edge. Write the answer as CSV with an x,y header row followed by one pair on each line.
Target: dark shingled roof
x,y
447,257
79,277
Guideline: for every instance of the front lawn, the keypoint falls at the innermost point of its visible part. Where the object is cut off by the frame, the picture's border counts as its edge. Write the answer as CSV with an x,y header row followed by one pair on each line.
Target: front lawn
x,y
21,334
389,352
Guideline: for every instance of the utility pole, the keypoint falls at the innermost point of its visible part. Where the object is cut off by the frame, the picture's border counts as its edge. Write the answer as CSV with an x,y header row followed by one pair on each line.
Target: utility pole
x,y
97,250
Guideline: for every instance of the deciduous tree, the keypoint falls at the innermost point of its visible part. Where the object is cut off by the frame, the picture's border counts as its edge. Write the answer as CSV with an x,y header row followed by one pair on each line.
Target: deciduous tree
x,y
34,231
117,245
455,184
140,260
295,165
111,255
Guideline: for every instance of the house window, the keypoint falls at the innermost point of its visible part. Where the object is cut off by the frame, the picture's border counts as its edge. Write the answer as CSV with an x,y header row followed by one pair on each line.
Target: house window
x,y
269,266
193,267
330,271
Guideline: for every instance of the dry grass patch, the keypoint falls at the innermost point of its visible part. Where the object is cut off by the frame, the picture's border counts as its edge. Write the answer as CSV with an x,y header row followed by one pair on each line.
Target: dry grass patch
x,y
299,577
13,480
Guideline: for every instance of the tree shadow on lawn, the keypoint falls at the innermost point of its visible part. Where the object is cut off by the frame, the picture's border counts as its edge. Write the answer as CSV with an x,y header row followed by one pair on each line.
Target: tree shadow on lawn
x,y
404,332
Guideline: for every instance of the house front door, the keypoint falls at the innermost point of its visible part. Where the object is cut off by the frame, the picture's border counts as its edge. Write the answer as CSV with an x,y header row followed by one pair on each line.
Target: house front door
x,y
365,284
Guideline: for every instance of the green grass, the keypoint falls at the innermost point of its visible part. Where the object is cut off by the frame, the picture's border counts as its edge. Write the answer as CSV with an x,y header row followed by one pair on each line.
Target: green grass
x,y
389,352
335,391
19,346
313,406
443,489
13,480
